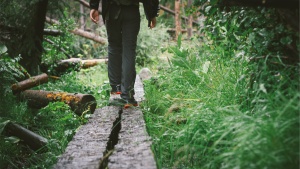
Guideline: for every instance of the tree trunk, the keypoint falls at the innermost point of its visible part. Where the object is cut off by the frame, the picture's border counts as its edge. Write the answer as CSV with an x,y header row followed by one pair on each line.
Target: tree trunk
x,y
78,102
177,19
33,140
190,20
82,18
31,57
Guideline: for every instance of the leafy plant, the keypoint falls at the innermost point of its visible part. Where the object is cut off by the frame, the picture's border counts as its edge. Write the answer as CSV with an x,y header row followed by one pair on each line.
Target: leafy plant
x,y
150,42
230,102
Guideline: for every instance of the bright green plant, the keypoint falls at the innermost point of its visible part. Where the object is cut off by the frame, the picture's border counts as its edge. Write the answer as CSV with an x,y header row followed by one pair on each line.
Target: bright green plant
x,y
150,42
230,103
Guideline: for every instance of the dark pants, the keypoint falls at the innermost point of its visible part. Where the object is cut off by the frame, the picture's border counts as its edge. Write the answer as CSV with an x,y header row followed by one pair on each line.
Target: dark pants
x,y
122,34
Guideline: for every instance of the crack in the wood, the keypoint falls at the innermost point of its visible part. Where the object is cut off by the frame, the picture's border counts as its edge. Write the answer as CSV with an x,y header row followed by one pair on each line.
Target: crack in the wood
x,y
113,140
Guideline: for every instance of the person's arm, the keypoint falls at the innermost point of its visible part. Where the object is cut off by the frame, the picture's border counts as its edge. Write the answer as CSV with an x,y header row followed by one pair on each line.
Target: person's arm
x,y
152,23
94,13
151,8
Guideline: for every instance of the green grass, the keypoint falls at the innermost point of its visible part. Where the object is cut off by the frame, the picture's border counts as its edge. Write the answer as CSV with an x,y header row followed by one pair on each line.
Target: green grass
x,y
202,113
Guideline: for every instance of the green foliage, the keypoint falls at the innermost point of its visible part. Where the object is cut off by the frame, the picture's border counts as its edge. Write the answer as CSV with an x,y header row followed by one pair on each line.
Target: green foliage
x,y
149,43
231,101
10,71
53,52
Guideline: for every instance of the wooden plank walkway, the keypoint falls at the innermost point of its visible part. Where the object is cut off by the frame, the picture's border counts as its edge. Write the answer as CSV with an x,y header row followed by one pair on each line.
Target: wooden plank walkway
x,y
112,138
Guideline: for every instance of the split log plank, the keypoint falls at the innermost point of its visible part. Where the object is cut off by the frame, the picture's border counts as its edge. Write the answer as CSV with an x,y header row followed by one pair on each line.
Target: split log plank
x,y
78,102
33,140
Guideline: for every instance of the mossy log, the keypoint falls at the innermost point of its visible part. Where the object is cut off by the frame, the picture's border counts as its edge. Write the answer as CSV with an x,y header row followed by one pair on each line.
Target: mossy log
x,y
33,140
78,102
31,82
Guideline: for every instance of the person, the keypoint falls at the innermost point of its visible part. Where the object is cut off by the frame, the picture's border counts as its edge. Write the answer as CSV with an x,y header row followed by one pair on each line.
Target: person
x,y
122,21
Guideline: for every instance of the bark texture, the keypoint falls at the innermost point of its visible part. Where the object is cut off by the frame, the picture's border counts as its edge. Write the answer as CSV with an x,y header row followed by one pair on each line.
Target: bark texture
x,y
79,103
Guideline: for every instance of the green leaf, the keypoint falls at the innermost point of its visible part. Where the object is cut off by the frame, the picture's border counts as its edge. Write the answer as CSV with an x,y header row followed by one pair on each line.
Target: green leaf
x,y
12,139
2,125
3,49
286,40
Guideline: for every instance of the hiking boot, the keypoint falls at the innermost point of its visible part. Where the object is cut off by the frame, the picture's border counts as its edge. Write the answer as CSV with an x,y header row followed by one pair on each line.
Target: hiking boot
x,y
115,89
129,103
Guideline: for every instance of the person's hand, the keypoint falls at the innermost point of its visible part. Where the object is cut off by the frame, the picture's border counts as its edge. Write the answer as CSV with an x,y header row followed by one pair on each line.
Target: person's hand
x,y
94,15
153,23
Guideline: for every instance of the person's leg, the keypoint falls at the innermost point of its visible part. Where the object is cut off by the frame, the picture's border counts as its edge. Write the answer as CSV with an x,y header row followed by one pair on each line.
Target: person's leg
x,y
114,35
130,30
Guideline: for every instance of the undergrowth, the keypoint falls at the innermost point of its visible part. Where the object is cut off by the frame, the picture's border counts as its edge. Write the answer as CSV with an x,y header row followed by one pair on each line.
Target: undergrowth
x,y
56,122
220,105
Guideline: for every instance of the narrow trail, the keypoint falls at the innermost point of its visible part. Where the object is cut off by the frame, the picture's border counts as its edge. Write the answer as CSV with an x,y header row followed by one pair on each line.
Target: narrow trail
x,y
114,138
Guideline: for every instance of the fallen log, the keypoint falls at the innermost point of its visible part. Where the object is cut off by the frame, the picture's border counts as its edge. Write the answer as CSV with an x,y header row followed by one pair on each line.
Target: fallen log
x,y
31,82
33,140
77,102
73,63
89,35
92,62
81,33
